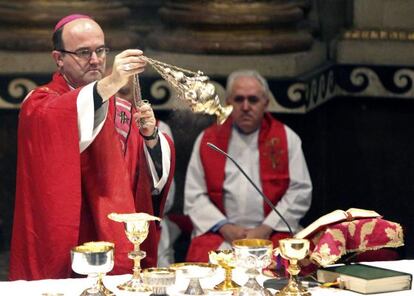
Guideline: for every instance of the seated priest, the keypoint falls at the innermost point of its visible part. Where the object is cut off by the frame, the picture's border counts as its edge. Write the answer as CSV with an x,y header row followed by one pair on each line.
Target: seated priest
x,y
222,204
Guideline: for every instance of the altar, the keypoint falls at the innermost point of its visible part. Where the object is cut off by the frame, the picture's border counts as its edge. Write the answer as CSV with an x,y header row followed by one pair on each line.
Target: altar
x,y
74,287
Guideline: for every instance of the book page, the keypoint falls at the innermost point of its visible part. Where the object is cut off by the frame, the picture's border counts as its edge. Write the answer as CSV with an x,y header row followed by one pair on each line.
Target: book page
x,y
361,213
336,216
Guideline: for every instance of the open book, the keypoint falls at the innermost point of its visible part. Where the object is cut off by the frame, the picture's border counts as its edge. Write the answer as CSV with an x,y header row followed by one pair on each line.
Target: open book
x,y
334,217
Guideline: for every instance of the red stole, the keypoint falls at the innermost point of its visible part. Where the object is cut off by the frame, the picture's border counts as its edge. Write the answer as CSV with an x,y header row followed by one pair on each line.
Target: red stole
x,y
273,166
123,118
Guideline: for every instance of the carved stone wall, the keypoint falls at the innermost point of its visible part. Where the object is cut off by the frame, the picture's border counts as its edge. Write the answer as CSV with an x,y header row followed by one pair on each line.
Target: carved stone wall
x,y
233,26
143,18
27,24
377,50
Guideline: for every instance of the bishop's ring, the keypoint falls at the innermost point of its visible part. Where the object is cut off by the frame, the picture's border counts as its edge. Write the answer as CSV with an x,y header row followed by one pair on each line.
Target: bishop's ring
x,y
126,67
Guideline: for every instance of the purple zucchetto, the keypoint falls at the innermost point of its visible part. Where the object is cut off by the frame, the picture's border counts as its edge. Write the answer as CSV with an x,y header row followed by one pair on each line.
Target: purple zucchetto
x,y
68,19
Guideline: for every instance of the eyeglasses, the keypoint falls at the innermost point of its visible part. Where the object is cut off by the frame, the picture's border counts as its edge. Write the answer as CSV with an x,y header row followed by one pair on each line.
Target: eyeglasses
x,y
86,53
251,99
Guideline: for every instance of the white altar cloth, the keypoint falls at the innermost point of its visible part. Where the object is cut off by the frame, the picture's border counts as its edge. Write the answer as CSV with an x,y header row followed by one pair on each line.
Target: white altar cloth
x,y
74,287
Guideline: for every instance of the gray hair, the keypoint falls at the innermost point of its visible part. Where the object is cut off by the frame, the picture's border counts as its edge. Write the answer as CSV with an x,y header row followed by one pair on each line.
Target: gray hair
x,y
248,73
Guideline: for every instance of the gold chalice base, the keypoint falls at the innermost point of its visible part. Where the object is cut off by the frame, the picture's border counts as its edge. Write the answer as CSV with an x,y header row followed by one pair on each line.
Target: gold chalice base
x,y
134,285
225,259
293,289
227,285
293,249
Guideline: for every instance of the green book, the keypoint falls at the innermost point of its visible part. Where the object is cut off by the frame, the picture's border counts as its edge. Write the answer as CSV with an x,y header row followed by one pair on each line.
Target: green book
x,y
365,279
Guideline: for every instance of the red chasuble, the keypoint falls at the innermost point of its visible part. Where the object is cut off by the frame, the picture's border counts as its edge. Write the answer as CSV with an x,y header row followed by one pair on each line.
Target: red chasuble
x,y
274,174
63,196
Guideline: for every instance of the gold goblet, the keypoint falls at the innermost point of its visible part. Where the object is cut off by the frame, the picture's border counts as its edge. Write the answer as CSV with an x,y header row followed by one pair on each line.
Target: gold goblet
x,y
136,228
194,271
293,249
94,259
253,254
159,279
226,259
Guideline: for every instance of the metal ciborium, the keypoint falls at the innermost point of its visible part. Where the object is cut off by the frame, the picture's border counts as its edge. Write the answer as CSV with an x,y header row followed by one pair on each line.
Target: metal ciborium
x,y
94,259
194,271
194,88
225,259
159,279
136,229
253,255
293,249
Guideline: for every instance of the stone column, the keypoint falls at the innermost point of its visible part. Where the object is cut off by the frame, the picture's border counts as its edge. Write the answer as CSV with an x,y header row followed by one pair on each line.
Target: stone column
x,y
382,33
143,18
377,50
27,24
233,26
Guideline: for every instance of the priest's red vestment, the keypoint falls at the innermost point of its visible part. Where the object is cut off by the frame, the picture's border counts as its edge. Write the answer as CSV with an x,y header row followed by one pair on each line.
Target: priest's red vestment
x,y
63,196
274,179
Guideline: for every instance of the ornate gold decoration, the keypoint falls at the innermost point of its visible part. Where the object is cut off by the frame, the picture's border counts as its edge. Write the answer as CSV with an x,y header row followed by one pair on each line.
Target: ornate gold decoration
x,y
351,228
378,34
366,229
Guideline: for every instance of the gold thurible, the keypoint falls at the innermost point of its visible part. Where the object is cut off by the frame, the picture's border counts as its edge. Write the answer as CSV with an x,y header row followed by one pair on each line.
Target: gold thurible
x,y
192,87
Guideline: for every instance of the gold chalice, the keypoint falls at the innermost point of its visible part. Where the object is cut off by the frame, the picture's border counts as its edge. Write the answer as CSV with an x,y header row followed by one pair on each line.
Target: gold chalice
x,y
194,271
94,259
136,228
159,279
293,249
226,259
254,255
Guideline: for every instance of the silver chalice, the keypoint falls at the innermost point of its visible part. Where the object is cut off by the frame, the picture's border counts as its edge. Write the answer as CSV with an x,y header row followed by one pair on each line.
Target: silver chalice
x,y
194,271
253,255
159,278
94,259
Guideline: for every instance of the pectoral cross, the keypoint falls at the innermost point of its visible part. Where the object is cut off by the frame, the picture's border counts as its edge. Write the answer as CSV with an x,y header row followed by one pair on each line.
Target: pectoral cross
x,y
123,117
273,152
